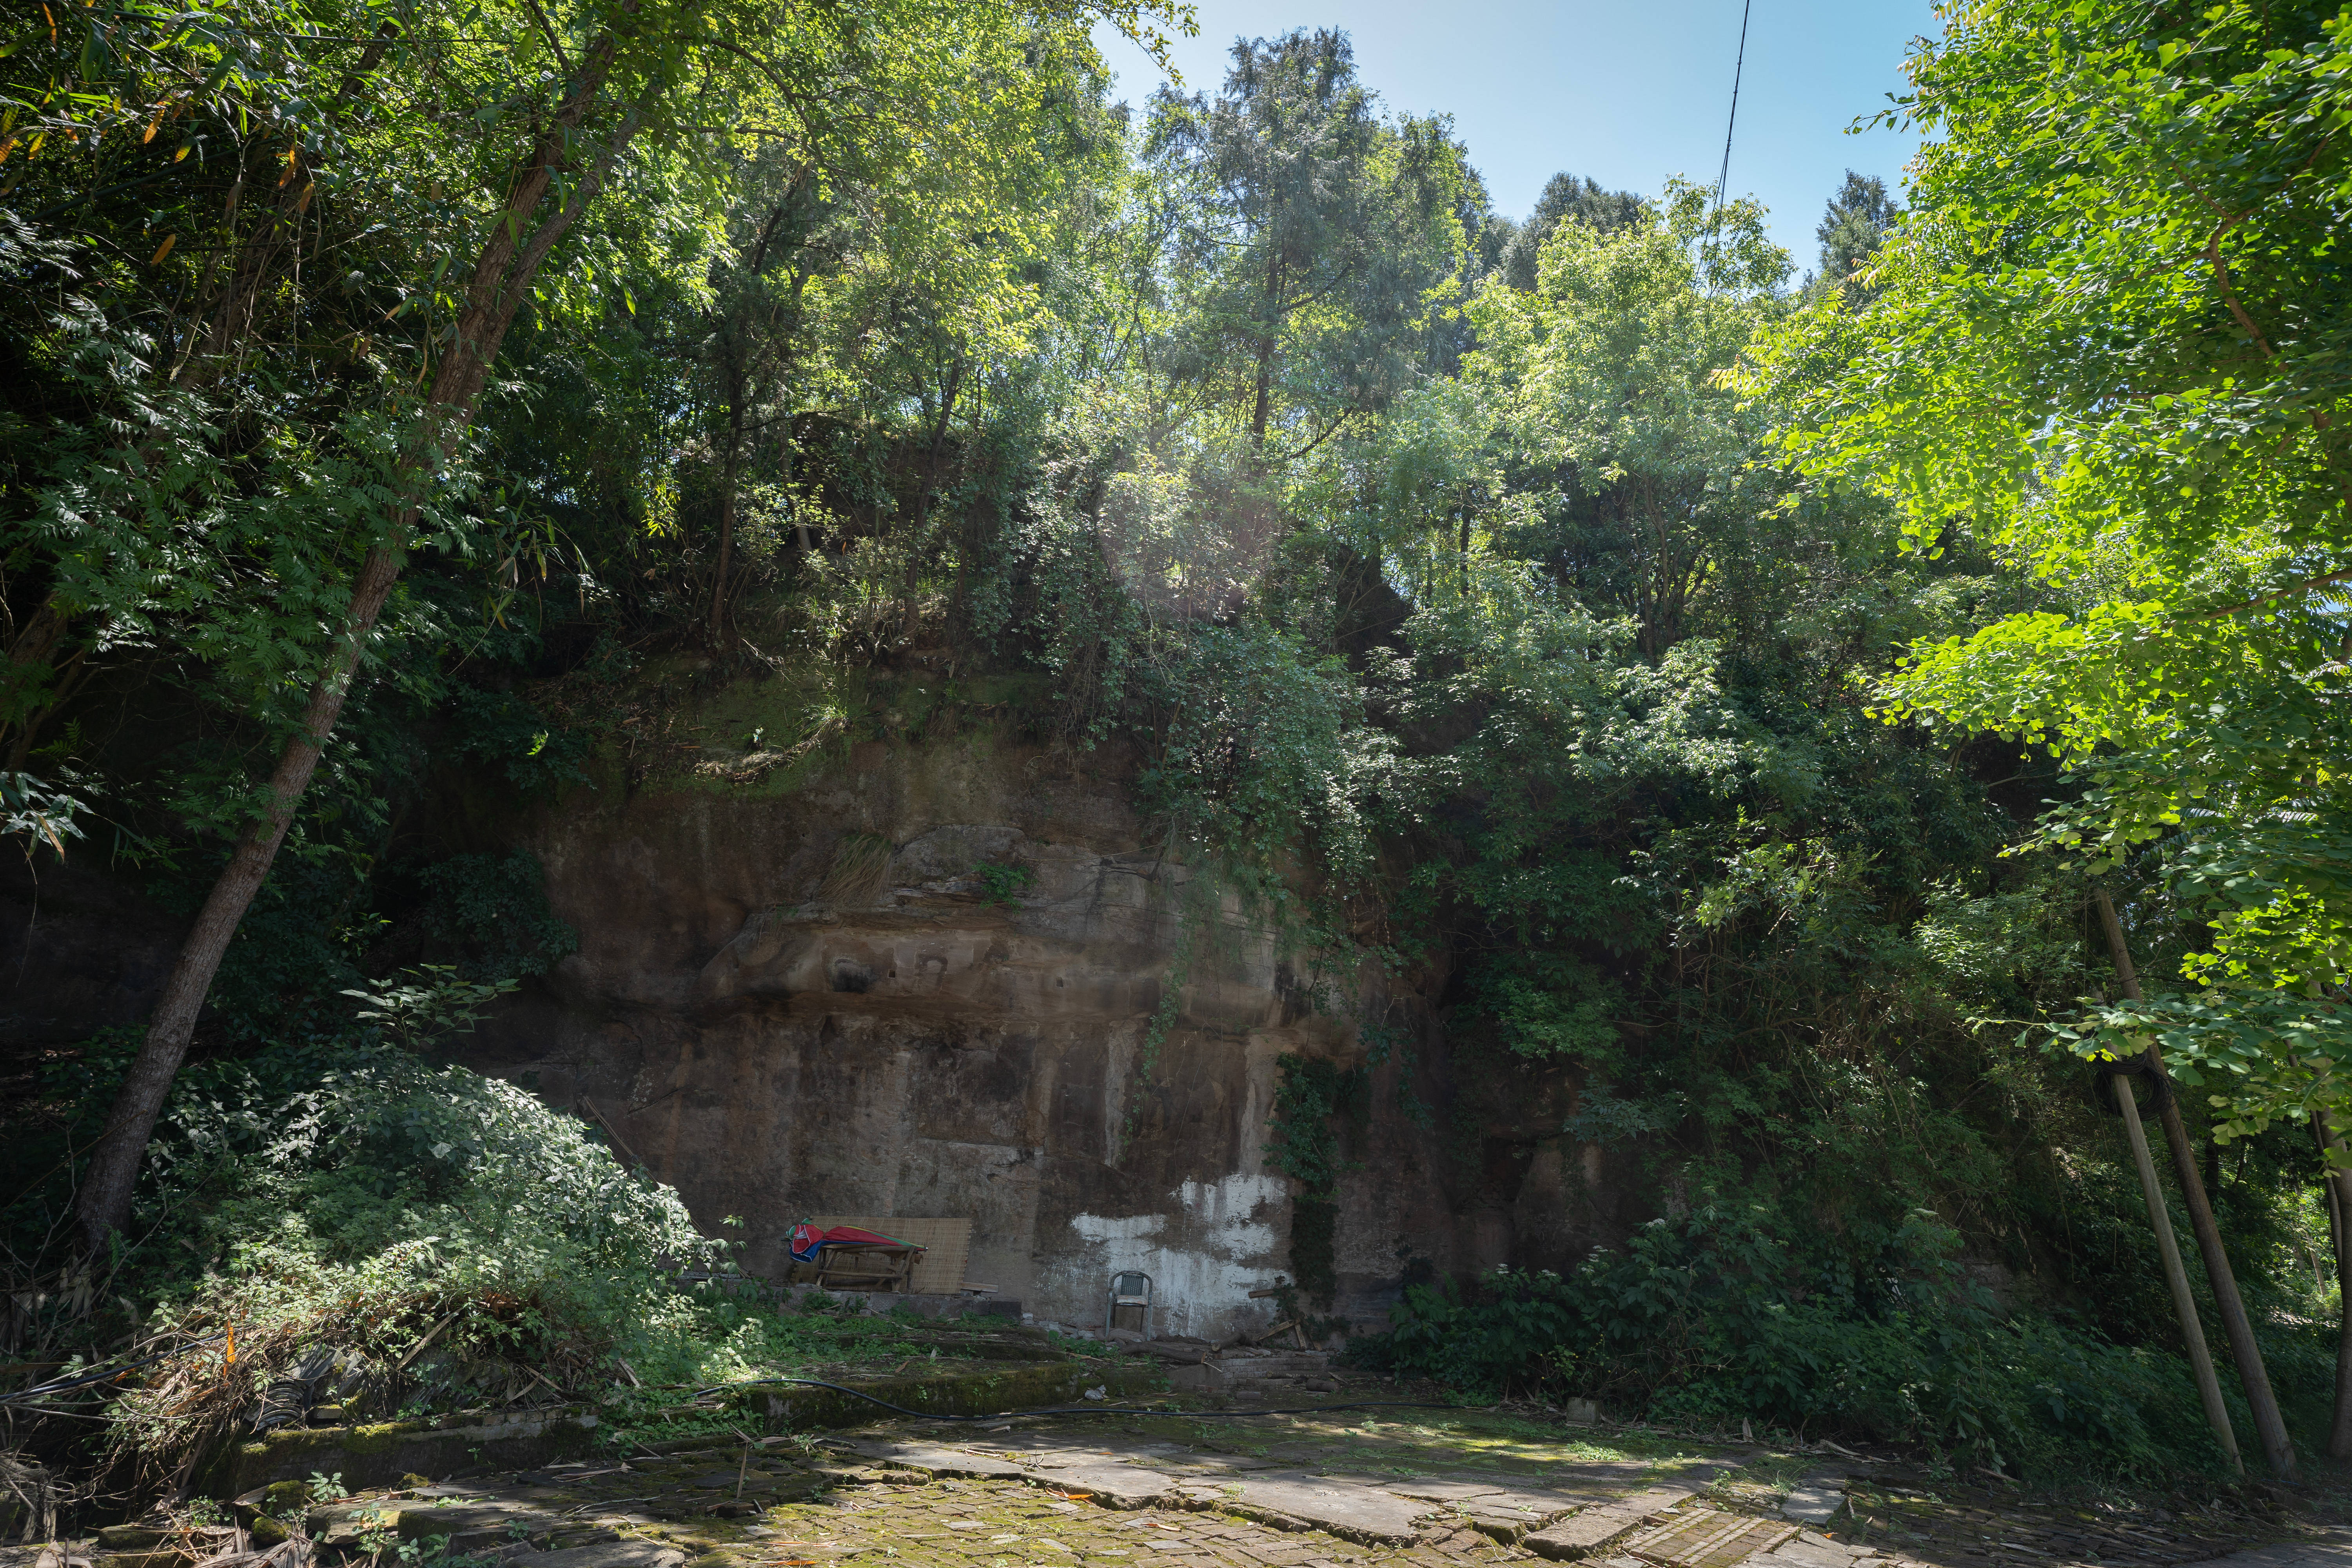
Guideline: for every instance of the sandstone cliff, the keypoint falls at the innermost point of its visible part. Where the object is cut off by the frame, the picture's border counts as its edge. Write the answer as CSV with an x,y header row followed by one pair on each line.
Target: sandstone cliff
x,y
810,999
921,977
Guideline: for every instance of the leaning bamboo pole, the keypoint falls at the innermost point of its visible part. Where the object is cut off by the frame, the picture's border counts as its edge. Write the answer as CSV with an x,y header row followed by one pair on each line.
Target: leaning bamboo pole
x,y
2159,1219
2252,1376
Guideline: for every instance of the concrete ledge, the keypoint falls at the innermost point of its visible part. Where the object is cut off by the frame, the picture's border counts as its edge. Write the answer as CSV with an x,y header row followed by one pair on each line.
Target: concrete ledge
x,y
1015,1385
375,1455
872,1303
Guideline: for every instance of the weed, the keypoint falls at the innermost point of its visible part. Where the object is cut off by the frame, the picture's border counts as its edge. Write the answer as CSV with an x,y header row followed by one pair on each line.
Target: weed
x,y
1004,883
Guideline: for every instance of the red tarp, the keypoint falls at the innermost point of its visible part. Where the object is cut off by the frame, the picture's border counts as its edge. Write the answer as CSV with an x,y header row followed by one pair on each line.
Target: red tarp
x,y
808,1241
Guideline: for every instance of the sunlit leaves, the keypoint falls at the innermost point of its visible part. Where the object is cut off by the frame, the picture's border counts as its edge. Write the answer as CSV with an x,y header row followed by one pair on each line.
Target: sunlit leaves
x,y
2114,340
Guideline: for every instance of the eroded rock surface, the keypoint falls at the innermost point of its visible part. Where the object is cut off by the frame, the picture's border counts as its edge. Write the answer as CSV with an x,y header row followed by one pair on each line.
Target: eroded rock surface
x,y
929,981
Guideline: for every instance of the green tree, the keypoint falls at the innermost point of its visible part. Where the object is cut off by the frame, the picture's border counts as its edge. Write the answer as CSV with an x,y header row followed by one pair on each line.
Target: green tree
x,y
1314,238
1855,224
578,130
561,94
1566,198
865,272
1606,376
2109,345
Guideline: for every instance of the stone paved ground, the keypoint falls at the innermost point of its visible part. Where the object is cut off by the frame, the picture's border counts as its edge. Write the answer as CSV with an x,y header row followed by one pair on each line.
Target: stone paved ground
x,y
1350,1489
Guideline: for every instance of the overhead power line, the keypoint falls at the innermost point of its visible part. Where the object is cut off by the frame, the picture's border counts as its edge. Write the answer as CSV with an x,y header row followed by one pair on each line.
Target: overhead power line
x,y
1723,177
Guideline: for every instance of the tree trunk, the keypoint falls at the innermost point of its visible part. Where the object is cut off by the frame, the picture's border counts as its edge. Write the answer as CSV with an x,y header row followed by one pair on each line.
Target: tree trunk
x,y
2338,1184
105,1198
784,468
2268,1425
739,365
731,470
948,394
784,412
502,275
233,315
1262,405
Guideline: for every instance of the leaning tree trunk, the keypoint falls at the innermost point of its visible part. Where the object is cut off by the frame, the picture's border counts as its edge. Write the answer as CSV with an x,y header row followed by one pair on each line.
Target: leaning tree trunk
x,y
502,276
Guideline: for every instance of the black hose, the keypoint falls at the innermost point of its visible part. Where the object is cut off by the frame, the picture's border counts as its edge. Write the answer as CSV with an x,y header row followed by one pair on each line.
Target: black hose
x,y
1085,1409
42,1390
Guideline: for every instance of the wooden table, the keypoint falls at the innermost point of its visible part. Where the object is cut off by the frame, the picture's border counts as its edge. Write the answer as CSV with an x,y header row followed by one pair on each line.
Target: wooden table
x,y
938,1271
866,1266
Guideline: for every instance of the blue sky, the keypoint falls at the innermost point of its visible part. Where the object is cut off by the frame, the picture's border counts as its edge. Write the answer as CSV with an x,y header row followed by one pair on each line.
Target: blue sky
x,y
1628,94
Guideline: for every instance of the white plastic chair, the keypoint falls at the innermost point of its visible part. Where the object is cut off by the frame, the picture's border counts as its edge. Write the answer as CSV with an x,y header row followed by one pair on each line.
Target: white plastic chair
x,y
1129,1288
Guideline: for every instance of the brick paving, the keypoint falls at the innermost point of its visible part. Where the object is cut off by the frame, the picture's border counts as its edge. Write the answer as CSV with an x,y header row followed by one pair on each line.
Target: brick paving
x,y
1300,1492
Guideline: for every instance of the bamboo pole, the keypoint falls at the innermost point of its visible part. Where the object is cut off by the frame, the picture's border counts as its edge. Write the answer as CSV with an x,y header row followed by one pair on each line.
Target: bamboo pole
x,y
2277,1450
2159,1219
2336,1183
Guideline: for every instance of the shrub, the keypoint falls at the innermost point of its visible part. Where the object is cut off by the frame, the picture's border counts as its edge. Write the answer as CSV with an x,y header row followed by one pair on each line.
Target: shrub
x,y
1714,1317
382,1202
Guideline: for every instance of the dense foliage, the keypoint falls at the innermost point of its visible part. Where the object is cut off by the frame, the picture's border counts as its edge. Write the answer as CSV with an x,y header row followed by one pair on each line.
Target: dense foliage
x,y
1520,605
450,1240
2110,345
1716,1318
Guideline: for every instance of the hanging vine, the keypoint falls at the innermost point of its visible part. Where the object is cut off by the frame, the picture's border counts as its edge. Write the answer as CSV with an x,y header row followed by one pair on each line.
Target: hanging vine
x,y
1307,1104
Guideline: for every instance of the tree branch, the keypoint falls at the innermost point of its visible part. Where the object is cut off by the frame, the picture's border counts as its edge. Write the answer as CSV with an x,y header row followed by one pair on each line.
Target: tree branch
x,y
552,41
2229,294
1345,414
2308,583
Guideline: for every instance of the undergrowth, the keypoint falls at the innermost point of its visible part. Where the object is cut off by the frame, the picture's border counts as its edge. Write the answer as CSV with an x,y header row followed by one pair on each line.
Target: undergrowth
x,y
402,1239
1719,1316
410,1237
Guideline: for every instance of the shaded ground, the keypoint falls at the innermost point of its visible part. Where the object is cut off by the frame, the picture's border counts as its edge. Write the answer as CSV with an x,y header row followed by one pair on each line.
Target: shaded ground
x,y
1347,1489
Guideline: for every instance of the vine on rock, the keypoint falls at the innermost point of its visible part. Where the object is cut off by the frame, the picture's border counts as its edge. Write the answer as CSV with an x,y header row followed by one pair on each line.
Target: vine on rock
x,y
1307,1106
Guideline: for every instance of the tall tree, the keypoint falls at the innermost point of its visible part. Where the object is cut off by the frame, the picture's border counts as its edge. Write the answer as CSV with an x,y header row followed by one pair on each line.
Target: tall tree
x,y
863,272
751,343
1313,237
1605,377
2111,341
1567,199
573,133
1855,224
561,94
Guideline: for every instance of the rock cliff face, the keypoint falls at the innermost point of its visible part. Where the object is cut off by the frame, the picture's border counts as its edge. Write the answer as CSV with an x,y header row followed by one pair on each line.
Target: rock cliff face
x,y
926,979
924,982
